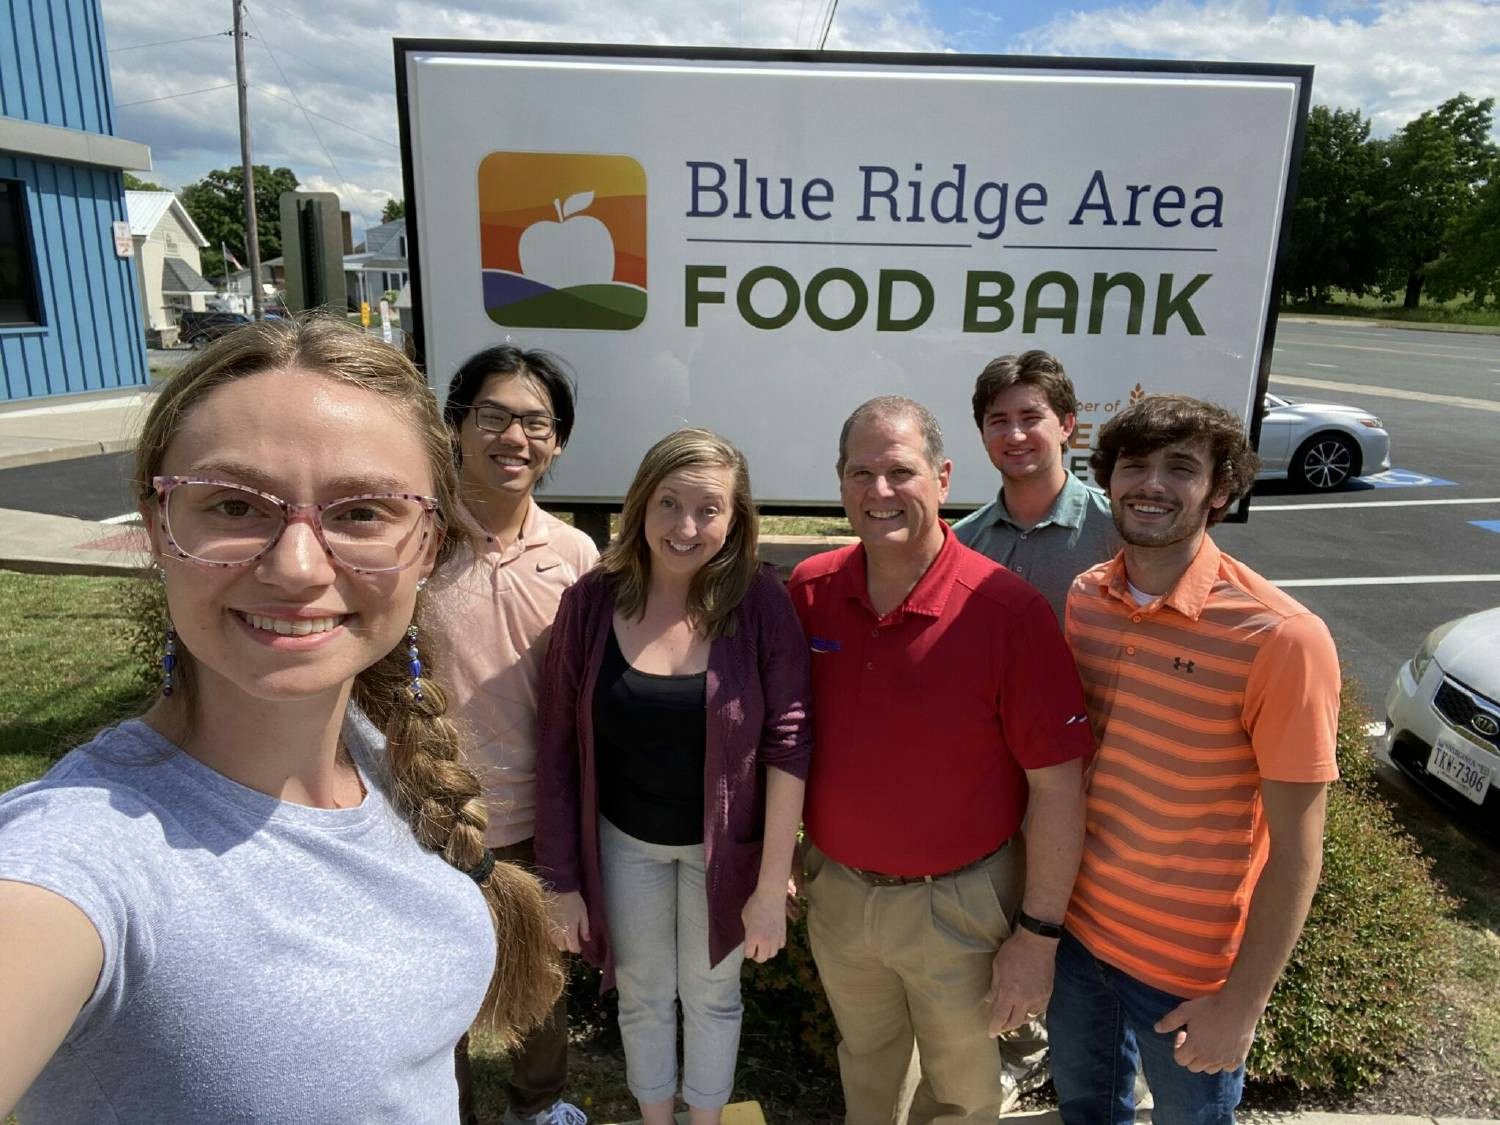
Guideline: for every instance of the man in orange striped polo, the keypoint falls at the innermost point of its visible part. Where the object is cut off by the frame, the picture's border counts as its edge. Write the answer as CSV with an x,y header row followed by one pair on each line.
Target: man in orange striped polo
x,y
1214,700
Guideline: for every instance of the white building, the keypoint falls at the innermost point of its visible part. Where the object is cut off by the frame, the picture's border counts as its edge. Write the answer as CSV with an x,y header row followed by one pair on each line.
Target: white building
x,y
380,267
168,258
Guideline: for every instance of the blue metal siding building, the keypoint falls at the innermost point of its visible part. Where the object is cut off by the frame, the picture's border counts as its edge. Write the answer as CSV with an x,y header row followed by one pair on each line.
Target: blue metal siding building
x,y
70,313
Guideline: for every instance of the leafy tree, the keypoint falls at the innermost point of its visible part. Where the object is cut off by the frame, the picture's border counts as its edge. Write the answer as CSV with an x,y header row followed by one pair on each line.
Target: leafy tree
x,y
394,209
135,183
217,205
1472,264
1435,167
1332,245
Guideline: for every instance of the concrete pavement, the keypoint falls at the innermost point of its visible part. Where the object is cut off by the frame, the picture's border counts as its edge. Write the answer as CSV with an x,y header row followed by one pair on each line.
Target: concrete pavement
x,y
76,427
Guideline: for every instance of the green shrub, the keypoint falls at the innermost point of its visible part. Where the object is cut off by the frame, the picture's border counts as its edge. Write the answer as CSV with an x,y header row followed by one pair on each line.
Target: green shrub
x,y
785,1003
1356,992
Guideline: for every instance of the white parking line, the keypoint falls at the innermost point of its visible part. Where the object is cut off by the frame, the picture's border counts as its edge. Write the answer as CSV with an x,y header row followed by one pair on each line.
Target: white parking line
x,y
1372,504
126,518
1453,351
1374,730
1387,580
1387,392
1332,365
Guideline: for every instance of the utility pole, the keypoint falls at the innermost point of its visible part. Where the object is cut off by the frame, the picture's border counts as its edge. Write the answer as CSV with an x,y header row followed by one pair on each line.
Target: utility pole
x,y
242,87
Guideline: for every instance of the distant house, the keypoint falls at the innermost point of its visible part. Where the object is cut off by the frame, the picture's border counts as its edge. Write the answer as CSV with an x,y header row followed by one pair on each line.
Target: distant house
x,y
167,258
272,281
380,267
70,315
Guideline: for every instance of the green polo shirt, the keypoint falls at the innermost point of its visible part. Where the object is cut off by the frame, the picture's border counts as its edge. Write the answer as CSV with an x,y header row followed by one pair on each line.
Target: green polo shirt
x,y
1075,534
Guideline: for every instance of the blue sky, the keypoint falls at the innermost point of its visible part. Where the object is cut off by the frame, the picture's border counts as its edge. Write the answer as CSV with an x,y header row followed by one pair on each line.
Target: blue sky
x,y
322,95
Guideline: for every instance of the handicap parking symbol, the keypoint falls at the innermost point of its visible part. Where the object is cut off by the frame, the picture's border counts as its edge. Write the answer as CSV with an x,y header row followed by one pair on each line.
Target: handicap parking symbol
x,y
1403,478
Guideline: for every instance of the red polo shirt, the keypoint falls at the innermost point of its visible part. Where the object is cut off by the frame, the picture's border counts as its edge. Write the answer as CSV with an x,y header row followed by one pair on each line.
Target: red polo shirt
x,y
924,719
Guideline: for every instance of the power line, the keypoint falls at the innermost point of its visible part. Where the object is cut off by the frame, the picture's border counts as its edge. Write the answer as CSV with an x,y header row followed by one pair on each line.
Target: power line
x,y
183,94
353,202
169,42
325,117
827,27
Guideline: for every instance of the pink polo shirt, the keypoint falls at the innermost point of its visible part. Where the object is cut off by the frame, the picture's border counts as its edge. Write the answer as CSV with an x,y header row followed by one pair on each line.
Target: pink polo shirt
x,y
488,621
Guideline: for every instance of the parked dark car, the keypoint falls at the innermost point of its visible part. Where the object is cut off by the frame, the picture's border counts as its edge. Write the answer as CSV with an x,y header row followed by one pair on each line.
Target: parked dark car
x,y
196,329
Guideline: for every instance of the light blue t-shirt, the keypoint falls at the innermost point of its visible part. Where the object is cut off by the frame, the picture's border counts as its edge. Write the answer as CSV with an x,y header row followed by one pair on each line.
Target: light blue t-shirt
x,y
263,961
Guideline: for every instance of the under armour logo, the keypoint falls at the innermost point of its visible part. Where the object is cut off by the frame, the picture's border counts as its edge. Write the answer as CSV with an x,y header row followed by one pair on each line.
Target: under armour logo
x,y
1182,665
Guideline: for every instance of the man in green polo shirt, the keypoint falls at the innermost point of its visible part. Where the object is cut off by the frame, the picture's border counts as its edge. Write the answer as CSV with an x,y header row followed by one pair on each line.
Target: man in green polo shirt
x,y
1046,525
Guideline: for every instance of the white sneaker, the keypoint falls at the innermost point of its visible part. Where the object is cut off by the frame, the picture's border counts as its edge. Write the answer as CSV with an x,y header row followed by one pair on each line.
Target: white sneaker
x,y
558,1113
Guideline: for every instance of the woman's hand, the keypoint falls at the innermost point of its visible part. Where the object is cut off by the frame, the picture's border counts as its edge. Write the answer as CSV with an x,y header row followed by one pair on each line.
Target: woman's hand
x,y
765,923
570,921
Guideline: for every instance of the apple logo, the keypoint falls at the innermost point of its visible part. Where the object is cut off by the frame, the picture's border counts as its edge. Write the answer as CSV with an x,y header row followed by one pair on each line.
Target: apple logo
x,y
575,250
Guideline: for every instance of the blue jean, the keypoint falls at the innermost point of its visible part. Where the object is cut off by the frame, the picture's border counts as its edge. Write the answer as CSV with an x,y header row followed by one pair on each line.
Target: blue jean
x,y
1101,1022
657,904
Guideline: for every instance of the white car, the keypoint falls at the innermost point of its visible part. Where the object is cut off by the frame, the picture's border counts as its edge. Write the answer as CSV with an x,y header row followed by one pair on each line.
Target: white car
x,y
1320,445
1443,711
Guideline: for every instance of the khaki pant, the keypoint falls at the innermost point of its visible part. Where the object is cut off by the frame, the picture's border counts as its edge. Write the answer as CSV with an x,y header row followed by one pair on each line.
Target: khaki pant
x,y
906,970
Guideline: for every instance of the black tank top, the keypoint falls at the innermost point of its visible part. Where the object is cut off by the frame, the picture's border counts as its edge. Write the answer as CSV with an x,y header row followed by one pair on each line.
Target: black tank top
x,y
649,734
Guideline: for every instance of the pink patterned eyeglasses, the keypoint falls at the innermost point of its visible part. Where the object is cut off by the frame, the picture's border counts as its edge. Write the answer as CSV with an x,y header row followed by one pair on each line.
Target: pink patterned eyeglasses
x,y
221,523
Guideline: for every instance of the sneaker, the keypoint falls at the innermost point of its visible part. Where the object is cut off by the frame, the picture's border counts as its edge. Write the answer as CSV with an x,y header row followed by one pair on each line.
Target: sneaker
x,y
558,1113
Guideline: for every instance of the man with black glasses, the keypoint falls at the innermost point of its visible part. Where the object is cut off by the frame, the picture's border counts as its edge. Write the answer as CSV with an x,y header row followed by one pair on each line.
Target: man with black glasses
x,y
511,412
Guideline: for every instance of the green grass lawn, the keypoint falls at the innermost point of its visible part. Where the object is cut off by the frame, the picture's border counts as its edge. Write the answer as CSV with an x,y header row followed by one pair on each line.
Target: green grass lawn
x,y
66,663
1459,313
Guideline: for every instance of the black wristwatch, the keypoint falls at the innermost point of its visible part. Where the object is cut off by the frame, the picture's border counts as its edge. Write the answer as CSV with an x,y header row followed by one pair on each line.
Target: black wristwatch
x,y
1037,926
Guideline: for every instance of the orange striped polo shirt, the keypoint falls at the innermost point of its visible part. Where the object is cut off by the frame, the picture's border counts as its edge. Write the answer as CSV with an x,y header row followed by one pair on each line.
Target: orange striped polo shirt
x,y
1194,698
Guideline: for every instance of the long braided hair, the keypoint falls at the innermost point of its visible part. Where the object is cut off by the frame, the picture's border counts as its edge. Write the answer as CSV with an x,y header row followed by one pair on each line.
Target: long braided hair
x,y
438,794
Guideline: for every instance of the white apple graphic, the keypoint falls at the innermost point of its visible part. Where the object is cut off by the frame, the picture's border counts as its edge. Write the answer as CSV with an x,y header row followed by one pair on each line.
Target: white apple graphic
x,y
575,250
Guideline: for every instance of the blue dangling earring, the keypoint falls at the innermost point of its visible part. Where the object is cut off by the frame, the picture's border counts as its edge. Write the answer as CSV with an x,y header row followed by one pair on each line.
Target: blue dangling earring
x,y
414,664
169,661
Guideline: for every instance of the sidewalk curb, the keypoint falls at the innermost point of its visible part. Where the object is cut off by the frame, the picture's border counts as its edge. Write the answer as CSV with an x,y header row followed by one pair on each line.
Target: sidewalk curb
x,y
35,543
67,452
1381,322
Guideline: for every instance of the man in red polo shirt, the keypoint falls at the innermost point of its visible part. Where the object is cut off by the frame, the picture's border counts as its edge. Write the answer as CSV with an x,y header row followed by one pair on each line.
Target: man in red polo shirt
x,y
943,694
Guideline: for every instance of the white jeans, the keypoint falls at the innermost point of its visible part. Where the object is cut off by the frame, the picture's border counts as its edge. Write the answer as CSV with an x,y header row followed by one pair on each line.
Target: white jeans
x,y
657,909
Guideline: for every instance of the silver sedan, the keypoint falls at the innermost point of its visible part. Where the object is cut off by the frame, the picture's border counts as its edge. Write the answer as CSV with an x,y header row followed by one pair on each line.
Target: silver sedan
x,y
1320,445
1443,712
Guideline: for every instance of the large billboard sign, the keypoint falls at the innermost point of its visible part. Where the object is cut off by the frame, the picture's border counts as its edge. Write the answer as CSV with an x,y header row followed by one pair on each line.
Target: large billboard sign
x,y
757,242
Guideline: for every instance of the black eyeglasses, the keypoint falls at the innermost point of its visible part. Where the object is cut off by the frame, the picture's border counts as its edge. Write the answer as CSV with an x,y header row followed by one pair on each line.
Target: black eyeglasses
x,y
497,419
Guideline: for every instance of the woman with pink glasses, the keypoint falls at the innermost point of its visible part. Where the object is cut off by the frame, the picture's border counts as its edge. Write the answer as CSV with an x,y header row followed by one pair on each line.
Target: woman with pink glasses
x,y
268,898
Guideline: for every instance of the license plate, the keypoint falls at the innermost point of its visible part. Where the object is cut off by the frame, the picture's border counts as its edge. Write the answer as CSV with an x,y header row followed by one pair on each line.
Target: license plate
x,y
1452,761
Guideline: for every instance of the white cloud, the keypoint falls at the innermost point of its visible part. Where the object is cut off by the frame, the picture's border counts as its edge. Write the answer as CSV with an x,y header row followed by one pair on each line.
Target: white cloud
x,y
336,61
1392,59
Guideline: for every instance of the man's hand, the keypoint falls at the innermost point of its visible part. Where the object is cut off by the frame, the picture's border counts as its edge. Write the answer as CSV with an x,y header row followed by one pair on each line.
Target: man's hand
x,y
765,924
1020,980
570,921
1213,1032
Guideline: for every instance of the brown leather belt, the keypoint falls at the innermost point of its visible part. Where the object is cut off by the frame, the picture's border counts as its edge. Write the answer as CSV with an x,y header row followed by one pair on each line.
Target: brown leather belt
x,y
878,879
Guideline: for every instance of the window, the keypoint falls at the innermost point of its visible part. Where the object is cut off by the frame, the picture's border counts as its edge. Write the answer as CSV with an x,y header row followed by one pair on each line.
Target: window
x,y
19,305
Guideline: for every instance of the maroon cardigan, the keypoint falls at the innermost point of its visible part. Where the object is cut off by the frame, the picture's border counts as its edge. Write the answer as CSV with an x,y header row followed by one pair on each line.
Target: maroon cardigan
x,y
757,696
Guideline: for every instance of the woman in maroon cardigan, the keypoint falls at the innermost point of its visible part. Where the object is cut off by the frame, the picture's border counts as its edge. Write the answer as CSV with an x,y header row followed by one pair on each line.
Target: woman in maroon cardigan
x,y
674,744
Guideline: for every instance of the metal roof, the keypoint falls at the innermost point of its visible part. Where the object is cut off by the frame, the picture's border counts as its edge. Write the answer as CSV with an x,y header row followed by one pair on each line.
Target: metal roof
x,y
146,209
179,277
